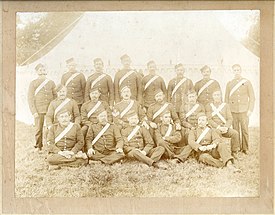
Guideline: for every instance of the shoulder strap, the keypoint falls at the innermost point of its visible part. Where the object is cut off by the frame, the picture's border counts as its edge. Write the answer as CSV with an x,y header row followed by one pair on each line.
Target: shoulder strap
x,y
160,110
64,132
104,129
94,109
202,135
178,85
169,130
125,76
127,108
207,84
41,86
59,107
237,86
71,78
150,82
97,80
133,132
192,110
216,111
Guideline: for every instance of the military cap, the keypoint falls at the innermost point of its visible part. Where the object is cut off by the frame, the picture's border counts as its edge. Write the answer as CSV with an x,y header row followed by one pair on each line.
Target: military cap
x,y
204,68
124,88
165,112
59,87
125,56
236,65
158,91
38,66
131,113
191,92
200,114
98,59
70,60
178,65
100,111
150,62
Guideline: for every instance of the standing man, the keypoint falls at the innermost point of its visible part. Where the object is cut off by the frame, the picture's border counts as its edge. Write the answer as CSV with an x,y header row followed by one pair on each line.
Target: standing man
x,y
104,141
220,117
240,96
102,81
127,77
41,92
178,87
206,86
150,84
75,83
65,142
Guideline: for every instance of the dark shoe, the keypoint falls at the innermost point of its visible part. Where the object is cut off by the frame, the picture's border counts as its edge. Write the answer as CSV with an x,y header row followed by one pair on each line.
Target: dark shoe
x,y
54,167
159,166
245,152
174,161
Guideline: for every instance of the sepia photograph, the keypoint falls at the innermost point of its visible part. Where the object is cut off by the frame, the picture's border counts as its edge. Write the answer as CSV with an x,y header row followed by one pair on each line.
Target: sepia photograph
x,y
137,104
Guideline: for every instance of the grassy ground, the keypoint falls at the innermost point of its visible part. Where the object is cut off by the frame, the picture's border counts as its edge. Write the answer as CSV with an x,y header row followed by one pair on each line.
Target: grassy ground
x,y
131,179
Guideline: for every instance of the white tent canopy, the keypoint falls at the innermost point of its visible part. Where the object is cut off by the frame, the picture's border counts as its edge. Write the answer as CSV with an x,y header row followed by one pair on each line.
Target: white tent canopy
x,y
194,38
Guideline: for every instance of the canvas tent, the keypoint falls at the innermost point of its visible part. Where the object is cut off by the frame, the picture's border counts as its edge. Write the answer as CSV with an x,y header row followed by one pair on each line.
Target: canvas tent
x,y
194,38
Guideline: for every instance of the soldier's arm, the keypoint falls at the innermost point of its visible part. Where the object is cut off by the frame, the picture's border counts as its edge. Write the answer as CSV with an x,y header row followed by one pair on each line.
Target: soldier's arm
x,y
50,115
87,90
83,84
63,82
139,88
53,90
116,87
190,84
216,139
217,86
226,96
150,113
196,87
109,111
118,138
169,91
229,117
251,95
31,98
89,137
84,116
192,140
76,113
141,113
50,141
175,138
148,140
163,88
111,91
79,140
174,114
158,137
142,90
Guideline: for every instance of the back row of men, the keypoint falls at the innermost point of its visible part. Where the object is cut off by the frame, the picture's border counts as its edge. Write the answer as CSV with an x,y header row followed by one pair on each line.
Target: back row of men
x,y
147,96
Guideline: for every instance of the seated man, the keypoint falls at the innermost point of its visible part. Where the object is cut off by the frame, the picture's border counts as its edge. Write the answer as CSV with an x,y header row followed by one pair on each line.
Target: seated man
x,y
220,117
127,104
167,136
62,102
104,140
139,144
208,146
65,141
188,115
91,108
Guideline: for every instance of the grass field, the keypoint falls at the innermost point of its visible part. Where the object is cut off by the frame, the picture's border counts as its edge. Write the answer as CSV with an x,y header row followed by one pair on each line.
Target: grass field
x,y
131,179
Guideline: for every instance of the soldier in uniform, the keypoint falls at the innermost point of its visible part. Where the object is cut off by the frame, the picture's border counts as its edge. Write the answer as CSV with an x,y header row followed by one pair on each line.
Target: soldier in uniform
x,y
139,144
102,81
65,141
122,108
240,96
62,102
220,117
167,136
156,109
127,77
206,86
91,109
104,140
208,146
150,84
178,87
75,83
188,115
41,92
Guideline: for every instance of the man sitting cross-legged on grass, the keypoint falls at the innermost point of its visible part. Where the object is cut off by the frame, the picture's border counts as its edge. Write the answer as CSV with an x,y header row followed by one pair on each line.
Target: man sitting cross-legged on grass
x,y
104,140
65,141
167,136
139,144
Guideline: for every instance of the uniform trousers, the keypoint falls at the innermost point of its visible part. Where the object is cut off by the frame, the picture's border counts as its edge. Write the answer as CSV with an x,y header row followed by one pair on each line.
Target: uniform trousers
x,y
234,135
39,122
154,155
240,122
170,149
107,156
56,159
84,130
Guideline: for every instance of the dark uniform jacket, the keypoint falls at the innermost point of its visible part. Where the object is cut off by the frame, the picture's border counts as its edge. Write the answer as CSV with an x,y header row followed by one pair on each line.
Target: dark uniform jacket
x,y
39,103
133,81
205,96
215,121
192,120
160,132
156,106
72,141
110,140
105,86
141,140
76,87
180,95
211,137
243,99
150,92
87,106
70,106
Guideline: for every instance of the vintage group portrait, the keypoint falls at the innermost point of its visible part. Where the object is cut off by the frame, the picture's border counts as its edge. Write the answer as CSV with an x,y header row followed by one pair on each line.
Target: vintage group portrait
x,y
138,104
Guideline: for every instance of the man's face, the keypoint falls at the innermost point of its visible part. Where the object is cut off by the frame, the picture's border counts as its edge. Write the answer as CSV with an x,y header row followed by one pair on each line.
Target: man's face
x,y
126,62
71,66
64,118
41,71
202,121
217,96
192,98
166,118
152,67
94,95
159,97
126,94
237,70
98,66
102,118
206,73
62,93
133,120
180,71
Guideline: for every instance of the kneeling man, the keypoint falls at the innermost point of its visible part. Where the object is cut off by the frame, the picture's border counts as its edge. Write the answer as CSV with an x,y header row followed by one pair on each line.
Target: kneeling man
x,y
104,141
65,141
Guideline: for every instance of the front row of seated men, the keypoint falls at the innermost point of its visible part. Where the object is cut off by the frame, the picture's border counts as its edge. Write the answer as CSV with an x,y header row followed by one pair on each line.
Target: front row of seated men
x,y
108,143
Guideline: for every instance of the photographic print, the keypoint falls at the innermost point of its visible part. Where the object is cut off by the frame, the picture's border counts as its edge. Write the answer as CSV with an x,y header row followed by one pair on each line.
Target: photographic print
x,y
138,104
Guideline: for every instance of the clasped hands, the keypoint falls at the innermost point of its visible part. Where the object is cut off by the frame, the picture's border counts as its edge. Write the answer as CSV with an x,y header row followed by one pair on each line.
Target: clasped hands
x,y
208,147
